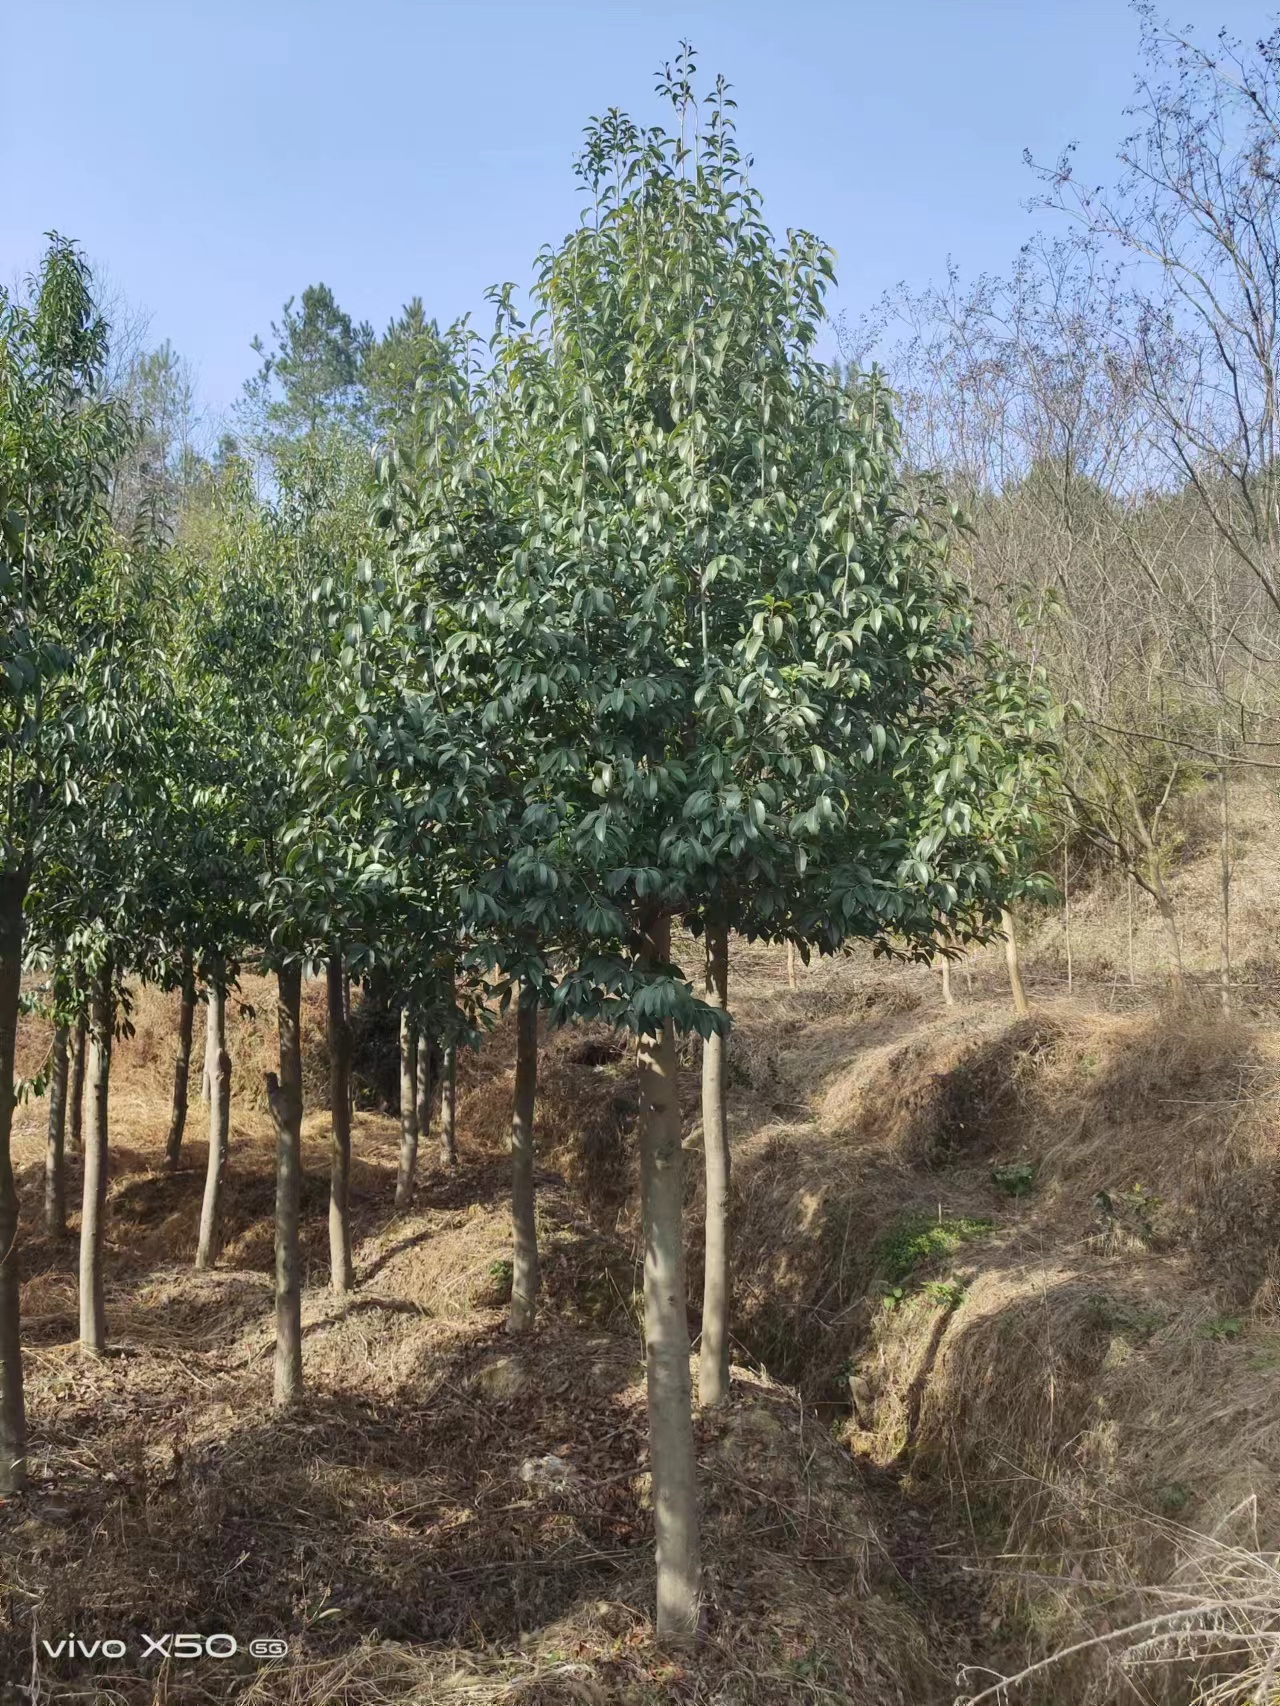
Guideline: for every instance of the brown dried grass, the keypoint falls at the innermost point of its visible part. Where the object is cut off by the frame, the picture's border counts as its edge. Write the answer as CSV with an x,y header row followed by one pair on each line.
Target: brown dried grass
x,y
385,1527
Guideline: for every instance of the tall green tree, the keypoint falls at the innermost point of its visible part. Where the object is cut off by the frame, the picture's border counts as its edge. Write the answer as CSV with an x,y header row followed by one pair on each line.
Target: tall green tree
x,y
58,443
312,371
717,643
398,370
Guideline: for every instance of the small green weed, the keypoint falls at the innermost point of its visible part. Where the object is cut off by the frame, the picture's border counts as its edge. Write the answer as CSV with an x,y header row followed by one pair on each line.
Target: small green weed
x,y
1015,1178
1222,1327
917,1239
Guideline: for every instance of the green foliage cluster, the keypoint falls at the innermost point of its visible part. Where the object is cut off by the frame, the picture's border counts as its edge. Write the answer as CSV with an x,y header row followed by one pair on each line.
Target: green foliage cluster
x,y
1014,1178
914,1241
466,667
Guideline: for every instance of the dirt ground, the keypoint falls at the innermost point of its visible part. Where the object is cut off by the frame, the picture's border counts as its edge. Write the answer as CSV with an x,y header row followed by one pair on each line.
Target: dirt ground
x,y
449,1513
987,1272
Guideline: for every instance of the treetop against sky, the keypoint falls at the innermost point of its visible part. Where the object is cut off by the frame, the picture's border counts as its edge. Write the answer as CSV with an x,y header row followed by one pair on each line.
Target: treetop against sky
x,y
215,163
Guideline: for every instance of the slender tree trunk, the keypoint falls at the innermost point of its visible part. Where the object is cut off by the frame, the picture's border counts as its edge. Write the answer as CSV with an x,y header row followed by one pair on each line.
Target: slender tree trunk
x,y
944,966
75,1091
410,1043
524,1223
792,980
449,1107
284,1096
346,1019
415,1128
713,1361
1225,873
1164,906
13,1428
219,1126
666,1326
341,1276
93,1319
182,1063
1011,960
55,1169
210,1068
424,1090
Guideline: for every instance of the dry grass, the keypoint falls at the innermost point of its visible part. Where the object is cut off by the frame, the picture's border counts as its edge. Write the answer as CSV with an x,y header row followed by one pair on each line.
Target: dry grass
x,y
1037,1256
1105,1359
389,1527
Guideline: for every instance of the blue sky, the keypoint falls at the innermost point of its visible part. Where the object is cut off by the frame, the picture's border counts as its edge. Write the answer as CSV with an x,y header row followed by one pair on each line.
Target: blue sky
x,y
218,157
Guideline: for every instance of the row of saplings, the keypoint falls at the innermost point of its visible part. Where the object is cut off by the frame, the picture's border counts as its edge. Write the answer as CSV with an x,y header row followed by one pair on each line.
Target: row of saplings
x,y
80,1059
78,1071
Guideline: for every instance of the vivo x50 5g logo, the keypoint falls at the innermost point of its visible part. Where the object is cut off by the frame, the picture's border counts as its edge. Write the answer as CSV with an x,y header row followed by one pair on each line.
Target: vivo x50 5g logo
x,y
170,1646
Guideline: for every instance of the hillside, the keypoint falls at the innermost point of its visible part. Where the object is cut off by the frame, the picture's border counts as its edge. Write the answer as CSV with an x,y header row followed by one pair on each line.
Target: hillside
x,y
1007,1358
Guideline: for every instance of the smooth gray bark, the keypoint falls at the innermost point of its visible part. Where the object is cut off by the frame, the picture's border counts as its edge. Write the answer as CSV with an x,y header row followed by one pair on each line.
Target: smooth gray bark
x,y
341,1273
408,1166
424,1086
666,1327
182,1064
75,1090
713,1362
284,1097
219,1126
449,1107
93,1319
210,1054
524,1223
55,1168
1020,1005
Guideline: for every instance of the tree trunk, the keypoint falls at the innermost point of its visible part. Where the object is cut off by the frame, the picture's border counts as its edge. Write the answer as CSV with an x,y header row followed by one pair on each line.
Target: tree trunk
x,y
1164,906
424,1090
209,1070
284,1096
13,1429
182,1064
1225,875
666,1326
524,1224
449,1107
409,1046
948,996
219,1126
417,1128
340,1271
93,1320
713,1362
792,980
346,1019
55,1170
75,1091
1011,960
